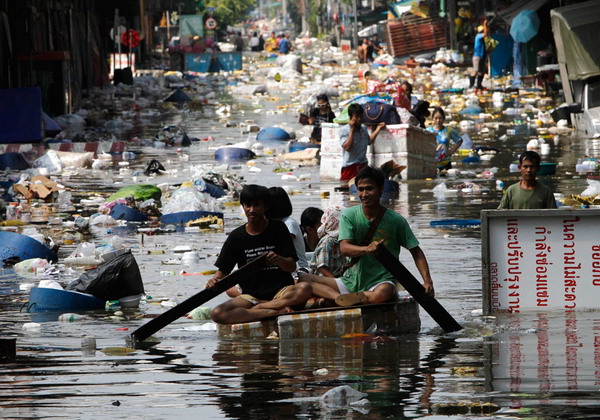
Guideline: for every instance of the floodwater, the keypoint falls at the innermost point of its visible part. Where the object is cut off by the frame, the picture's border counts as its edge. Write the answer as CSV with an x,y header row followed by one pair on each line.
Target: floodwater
x,y
522,366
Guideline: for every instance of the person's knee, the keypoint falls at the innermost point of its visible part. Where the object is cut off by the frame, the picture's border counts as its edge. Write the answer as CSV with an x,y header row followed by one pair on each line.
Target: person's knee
x,y
304,290
217,314
383,293
303,277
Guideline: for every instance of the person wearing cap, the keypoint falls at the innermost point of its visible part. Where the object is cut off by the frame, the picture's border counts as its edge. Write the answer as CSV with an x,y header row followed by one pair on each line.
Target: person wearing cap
x,y
479,69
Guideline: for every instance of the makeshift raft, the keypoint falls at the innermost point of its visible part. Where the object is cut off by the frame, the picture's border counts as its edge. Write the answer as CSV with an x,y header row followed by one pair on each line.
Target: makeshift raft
x,y
393,318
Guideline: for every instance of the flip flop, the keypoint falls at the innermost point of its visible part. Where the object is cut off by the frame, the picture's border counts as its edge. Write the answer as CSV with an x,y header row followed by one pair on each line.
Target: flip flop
x,y
314,303
351,299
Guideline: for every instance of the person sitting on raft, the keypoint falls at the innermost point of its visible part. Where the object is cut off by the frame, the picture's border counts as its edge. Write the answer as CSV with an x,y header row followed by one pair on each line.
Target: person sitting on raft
x,y
367,280
267,291
310,221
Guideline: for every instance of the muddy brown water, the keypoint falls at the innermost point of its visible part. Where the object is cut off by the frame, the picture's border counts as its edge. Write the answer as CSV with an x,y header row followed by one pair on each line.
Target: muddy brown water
x,y
527,365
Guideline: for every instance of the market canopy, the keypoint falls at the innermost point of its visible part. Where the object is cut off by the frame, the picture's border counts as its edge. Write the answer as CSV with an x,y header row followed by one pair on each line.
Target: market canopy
x,y
575,29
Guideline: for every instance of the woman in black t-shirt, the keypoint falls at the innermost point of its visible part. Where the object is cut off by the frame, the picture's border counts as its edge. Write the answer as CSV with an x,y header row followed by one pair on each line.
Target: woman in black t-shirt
x,y
321,114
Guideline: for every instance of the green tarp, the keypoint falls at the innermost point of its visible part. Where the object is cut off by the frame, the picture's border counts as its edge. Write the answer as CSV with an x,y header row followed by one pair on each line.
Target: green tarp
x,y
141,192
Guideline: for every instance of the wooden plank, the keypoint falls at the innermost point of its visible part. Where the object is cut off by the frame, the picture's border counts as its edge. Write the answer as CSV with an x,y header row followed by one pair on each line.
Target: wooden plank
x,y
417,291
198,299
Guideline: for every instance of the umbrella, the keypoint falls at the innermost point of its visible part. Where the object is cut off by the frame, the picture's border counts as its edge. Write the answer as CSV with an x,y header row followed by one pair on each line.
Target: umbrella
x,y
524,26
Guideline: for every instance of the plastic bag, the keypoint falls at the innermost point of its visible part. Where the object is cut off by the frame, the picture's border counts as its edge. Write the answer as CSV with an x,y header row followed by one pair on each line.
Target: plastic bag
x,y
84,249
28,267
102,220
50,161
190,199
593,188
113,280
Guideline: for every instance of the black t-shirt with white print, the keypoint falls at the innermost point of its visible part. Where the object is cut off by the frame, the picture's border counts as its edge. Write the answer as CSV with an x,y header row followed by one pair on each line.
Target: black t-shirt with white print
x,y
241,248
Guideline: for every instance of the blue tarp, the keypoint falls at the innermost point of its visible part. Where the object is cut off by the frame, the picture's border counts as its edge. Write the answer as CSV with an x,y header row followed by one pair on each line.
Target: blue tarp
x,y
21,115
501,58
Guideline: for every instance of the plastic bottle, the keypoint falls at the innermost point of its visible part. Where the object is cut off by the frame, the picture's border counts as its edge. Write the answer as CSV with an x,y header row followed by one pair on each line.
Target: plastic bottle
x,y
70,317
499,185
11,212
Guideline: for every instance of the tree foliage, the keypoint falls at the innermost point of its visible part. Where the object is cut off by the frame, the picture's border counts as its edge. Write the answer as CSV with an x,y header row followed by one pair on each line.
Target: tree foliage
x,y
230,12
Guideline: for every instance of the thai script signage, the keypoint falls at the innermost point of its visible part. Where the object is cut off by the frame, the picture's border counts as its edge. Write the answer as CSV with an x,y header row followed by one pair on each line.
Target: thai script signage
x,y
541,260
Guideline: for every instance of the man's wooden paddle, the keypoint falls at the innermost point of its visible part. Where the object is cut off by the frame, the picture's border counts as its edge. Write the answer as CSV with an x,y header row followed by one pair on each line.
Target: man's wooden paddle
x,y
198,299
416,290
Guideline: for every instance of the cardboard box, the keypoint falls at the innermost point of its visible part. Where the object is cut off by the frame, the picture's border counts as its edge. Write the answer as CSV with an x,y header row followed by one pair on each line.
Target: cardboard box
x,y
38,187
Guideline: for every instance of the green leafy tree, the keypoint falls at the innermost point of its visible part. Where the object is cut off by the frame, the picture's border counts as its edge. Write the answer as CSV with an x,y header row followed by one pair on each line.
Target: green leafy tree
x,y
230,12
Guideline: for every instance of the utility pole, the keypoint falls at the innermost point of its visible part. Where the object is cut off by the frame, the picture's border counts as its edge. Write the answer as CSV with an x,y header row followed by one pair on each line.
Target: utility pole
x,y
451,8
355,26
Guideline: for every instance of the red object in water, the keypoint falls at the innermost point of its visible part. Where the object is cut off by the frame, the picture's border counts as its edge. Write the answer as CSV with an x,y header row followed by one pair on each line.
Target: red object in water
x,y
121,329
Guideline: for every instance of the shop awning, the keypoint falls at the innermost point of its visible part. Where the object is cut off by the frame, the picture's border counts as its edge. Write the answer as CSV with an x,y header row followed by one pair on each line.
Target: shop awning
x,y
575,29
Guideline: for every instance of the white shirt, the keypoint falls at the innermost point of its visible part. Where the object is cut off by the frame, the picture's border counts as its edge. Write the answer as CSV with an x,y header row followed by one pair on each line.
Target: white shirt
x,y
298,240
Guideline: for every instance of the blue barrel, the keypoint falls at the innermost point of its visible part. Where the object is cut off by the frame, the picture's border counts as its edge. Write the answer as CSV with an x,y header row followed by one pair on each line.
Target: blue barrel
x,y
296,146
123,212
22,246
13,161
273,133
234,154
183,217
54,300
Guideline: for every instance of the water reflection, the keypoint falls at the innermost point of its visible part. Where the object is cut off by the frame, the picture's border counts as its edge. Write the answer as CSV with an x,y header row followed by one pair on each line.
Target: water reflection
x,y
394,372
543,360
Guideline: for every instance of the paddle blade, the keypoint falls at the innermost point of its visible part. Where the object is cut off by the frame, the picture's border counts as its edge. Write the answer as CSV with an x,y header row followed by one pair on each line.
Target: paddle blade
x,y
417,291
198,299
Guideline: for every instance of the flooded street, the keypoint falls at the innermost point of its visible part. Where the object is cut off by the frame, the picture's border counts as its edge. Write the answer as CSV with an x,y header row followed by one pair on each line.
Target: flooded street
x,y
513,365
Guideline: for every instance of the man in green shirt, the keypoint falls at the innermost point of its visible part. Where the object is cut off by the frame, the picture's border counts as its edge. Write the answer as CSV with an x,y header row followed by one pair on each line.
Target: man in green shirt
x,y
528,193
367,281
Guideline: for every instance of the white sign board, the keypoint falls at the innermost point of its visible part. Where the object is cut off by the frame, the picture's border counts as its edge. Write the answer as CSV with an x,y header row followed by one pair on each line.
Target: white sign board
x,y
541,260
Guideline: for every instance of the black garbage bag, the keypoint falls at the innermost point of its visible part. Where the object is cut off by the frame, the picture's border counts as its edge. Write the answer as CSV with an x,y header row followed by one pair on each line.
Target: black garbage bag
x,y
112,280
154,167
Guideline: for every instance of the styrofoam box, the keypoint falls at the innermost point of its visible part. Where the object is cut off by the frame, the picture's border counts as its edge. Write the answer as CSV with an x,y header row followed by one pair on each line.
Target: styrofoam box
x,y
330,142
331,167
410,146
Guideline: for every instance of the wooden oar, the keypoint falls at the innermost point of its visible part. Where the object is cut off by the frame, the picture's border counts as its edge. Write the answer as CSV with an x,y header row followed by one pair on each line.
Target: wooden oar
x,y
416,290
198,299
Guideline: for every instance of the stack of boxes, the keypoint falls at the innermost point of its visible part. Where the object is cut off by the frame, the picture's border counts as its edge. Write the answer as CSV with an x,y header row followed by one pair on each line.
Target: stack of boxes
x,y
406,145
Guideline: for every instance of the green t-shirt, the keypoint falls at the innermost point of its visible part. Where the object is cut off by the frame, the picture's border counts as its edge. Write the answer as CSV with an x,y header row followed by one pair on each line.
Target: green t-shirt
x,y
392,228
540,197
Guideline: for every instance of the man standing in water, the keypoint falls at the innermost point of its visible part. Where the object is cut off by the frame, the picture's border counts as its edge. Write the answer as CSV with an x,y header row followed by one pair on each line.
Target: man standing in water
x,y
367,281
267,291
528,193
